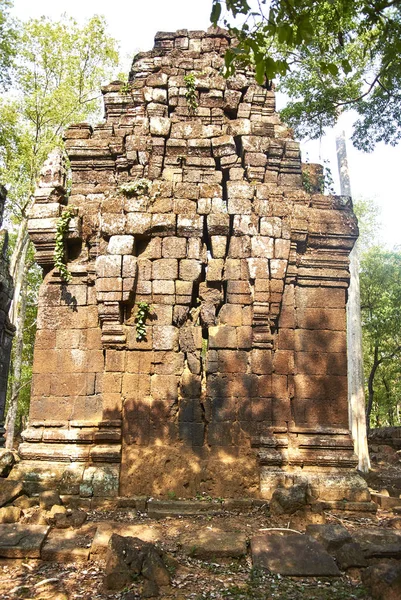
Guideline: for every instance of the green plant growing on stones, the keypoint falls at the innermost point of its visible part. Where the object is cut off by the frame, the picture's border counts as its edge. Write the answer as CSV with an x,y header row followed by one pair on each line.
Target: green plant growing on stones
x,y
140,320
191,95
306,182
125,88
59,250
139,187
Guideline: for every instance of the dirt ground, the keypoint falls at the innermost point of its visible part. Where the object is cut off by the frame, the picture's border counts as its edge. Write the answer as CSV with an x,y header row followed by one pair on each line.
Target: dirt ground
x,y
192,579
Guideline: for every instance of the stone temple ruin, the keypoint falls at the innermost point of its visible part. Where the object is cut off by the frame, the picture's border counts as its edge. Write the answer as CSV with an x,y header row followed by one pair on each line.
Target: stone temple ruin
x,y
189,199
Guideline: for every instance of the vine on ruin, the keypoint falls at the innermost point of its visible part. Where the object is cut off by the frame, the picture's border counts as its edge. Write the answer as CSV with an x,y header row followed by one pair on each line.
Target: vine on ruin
x,y
59,250
140,320
191,95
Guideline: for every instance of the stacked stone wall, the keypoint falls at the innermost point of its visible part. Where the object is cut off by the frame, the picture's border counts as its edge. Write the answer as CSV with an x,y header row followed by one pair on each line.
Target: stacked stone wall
x,y
201,214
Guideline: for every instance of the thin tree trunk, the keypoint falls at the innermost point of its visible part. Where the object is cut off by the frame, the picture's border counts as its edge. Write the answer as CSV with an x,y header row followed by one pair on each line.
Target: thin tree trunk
x,y
18,268
371,391
356,393
19,311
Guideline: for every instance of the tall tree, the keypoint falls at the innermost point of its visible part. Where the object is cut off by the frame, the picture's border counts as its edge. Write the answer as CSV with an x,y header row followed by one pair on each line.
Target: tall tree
x,y
56,81
8,37
328,55
381,317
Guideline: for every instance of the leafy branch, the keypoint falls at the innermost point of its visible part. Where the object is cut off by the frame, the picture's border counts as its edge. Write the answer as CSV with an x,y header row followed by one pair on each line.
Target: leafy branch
x,y
142,314
59,251
190,94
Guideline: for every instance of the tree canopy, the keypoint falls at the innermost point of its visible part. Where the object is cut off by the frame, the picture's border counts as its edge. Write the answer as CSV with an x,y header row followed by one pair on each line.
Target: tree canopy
x,y
328,56
8,37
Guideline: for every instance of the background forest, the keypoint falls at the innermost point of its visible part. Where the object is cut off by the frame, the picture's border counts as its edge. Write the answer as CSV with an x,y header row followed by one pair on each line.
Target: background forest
x,y
50,76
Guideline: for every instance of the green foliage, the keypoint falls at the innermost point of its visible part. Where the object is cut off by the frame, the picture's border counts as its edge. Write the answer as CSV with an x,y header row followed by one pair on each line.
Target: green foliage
x,y
139,187
328,56
191,94
59,251
380,282
56,81
142,314
8,38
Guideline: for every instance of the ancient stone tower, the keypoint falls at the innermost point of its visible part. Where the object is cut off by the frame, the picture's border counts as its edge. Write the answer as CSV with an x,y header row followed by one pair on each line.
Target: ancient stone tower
x,y
189,208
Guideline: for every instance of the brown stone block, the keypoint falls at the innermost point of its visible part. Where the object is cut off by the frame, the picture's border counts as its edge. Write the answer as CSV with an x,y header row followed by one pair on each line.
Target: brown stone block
x,y
45,339
53,409
244,337
318,297
220,434
283,362
281,409
91,339
190,269
168,363
163,287
286,339
152,250
44,361
262,246
316,386
264,386
165,337
222,336
312,363
190,385
135,385
280,386
319,341
261,362
41,384
138,362
144,269
94,361
240,247
134,344
320,318
165,268
164,388
111,405
111,383
287,315
162,314
282,248
231,361
337,364
72,384
173,247
87,408
230,314
241,385
262,409
278,268
115,360
68,338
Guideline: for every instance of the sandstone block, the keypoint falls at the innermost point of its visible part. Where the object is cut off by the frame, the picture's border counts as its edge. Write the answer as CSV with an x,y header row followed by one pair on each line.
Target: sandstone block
x,y
160,126
121,244
165,268
108,266
165,337
231,361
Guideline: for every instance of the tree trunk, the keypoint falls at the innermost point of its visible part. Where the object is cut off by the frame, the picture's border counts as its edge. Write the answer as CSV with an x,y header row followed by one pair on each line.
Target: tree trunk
x,y
371,391
19,312
356,393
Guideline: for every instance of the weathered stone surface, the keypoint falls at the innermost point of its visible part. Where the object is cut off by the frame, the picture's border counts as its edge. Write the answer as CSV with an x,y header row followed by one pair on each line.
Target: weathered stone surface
x,y
22,541
331,535
129,557
214,543
9,491
10,514
350,555
7,461
377,542
68,546
48,499
193,246
383,581
288,500
289,554
105,530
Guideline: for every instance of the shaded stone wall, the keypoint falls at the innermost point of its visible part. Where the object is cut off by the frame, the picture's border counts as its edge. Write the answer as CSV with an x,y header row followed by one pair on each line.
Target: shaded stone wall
x,y
241,380
6,329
